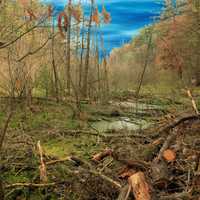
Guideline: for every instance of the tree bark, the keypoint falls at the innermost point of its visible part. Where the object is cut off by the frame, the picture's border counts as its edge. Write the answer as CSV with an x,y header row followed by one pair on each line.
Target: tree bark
x,y
68,49
87,59
54,64
140,187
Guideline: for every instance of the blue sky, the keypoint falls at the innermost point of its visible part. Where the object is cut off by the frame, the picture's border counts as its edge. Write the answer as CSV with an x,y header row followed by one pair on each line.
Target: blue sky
x,y
128,17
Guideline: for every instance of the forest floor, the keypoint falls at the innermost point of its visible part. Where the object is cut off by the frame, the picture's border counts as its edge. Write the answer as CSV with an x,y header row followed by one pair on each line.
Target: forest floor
x,y
71,171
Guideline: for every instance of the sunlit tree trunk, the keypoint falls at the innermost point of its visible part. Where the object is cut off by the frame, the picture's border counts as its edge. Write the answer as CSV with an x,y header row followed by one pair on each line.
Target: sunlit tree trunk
x,y
68,48
81,57
53,63
87,59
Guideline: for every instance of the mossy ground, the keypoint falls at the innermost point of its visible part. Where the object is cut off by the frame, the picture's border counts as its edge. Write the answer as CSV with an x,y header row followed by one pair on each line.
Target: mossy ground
x,y
45,122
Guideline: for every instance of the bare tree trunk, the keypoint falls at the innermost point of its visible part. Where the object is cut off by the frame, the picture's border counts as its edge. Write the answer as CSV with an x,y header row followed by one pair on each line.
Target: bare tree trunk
x,y
87,59
81,61
106,80
68,48
106,77
145,63
54,64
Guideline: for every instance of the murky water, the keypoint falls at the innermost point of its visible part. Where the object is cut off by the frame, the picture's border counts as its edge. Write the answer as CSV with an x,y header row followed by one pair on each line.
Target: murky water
x,y
125,122
119,124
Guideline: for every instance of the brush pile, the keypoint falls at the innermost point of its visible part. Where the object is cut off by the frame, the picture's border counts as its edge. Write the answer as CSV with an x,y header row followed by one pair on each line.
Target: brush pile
x,y
160,163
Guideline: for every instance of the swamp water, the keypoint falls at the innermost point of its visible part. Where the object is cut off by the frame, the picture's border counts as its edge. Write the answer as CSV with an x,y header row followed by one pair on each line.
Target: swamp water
x,y
133,123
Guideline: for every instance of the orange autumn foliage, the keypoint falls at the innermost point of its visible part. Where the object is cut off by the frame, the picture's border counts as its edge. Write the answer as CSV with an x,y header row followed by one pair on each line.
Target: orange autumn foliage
x,y
50,11
106,15
31,14
95,17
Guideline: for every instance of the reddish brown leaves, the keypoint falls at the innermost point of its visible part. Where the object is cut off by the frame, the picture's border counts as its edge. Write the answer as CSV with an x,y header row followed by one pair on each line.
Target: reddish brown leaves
x,y
106,15
95,17
62,24
31,14
50,11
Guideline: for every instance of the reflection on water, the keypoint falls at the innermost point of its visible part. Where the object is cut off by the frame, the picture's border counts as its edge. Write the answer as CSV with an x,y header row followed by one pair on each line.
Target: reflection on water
x,y
121,124
125,122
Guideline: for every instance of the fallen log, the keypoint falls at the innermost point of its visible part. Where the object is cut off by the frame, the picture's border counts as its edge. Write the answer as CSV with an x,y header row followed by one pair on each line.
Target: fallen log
x,y
184,117
140,187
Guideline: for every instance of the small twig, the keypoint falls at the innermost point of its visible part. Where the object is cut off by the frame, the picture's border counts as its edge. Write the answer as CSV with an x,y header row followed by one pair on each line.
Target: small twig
x,y
128,193
58,161
30,185
106,165
96,173
125,191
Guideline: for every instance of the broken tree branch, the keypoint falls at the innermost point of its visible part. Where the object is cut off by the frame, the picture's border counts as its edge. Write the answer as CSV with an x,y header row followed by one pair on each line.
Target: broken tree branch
x,y
96,173
141,188
180,119
15,185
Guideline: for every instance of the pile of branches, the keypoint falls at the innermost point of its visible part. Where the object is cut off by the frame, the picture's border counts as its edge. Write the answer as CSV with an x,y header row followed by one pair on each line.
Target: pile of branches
x,y
169,168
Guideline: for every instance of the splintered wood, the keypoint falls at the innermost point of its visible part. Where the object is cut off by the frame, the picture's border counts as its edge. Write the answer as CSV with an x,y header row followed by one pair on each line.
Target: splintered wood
x,y
194,105
140,187
42,167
